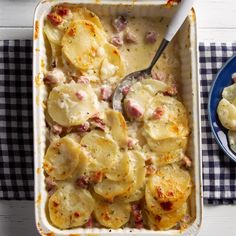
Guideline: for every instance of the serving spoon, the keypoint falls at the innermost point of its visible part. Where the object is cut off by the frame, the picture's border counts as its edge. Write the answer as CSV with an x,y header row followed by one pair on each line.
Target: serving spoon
x,y
130,79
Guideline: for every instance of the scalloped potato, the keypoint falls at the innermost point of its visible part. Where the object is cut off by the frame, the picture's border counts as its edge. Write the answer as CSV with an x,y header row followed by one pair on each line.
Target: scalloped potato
x,y
112,170
67,108
62,158
70,207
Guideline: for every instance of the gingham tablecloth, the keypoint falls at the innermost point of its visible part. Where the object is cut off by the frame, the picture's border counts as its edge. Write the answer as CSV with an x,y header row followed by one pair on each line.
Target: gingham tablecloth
x,y
16,139
219,172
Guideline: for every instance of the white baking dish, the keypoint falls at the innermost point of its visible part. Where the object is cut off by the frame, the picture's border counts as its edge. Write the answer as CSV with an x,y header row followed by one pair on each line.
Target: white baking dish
x,y
190,94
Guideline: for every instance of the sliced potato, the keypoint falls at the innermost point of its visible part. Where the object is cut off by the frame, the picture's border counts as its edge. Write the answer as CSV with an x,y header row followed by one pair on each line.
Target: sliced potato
x,y
229,93
167,145
117,124
54,34
110,189
169,157
112,68
82,13
166,221
232,139
227,114
62,158
136,195
102,149
139,171
120,169
173,122
80,44
142,92
168,189
70,207
112,215
67,109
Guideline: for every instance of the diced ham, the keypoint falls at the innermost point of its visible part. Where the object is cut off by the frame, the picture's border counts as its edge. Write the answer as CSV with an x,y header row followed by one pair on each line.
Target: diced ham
x,y
186,218
131,142
186,162
149,161
54,18
234,77
150,170
172,90
120,23
137,214
83,128
167,206
56,129
134,110
96,177
97,122
130,37
116,40
63,11
80,95
125,90
83,182
89,223
54,77
158,113
83,80
50,185
159,192
159,75
106,93
151,37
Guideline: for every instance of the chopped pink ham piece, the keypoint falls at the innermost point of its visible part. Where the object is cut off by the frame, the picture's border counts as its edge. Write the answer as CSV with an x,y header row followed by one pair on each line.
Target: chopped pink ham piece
x,y
54,77
137,214
116,40
120,23
158,113
130,37
97,122
125,90
151,37
106,93
80,95
56,129
89,223
63,11
50,185
131,142
54,18
172,90
83,80
96,177
134,110
83,182
150,169
84,127
186,162
159,75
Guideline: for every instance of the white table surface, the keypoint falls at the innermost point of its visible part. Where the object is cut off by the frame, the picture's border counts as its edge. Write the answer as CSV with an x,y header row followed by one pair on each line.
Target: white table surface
x,y
216,23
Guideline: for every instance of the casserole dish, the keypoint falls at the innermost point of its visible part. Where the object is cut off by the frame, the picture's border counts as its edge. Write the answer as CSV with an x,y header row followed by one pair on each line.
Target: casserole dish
x,y
189,91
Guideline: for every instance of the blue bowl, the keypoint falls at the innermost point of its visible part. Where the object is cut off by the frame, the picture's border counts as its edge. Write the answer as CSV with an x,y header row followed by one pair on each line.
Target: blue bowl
x,y
222,80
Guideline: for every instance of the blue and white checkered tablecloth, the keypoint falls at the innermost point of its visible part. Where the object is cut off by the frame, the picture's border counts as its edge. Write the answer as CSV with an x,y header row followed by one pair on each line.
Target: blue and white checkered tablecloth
x,y
16,139
219,172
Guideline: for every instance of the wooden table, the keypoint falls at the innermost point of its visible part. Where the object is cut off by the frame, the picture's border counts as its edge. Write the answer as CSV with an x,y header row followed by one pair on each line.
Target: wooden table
x,y
216,23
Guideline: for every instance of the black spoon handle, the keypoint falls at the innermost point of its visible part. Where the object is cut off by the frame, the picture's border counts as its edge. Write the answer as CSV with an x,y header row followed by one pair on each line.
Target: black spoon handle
x,y
160,50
